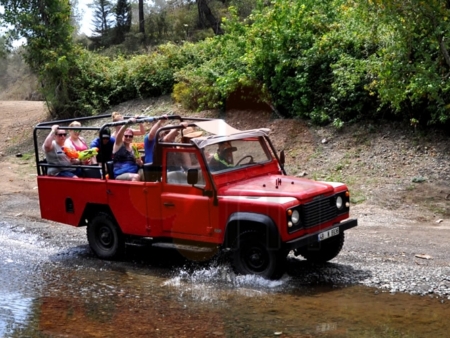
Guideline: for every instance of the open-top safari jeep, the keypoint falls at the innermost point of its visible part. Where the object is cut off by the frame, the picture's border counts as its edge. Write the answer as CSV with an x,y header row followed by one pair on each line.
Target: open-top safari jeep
x,y
247,206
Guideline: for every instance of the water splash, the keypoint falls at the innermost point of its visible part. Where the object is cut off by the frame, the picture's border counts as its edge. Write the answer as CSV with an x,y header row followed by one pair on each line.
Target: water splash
x,y
14,312
215,283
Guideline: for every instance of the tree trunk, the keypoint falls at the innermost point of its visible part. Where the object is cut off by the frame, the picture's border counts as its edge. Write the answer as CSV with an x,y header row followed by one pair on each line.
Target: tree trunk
x,y
141,18
205,13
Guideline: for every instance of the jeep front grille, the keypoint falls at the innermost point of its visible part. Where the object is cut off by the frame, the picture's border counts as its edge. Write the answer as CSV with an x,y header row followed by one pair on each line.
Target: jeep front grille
x,y
317,212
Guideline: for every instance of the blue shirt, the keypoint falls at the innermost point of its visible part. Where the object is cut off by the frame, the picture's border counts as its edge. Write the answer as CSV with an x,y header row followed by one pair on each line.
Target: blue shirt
x,y
124,162
149,147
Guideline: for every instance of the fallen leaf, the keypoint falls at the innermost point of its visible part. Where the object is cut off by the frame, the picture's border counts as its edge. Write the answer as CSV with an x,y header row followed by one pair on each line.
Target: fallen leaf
x,y
423,256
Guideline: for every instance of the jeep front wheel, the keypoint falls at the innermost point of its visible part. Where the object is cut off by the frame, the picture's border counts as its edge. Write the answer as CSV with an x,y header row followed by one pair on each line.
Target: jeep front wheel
x,y
252,256
324,251
105,237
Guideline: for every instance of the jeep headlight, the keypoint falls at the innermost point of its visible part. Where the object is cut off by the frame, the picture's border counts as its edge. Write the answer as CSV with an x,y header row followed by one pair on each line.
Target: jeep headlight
x,y
339,202
295,217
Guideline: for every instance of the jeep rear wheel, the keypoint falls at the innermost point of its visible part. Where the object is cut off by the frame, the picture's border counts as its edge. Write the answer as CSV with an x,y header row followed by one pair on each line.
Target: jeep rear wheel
x,y
325,251
105,237
252,256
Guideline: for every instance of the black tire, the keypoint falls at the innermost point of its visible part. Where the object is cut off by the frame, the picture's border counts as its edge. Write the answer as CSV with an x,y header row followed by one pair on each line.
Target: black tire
x,y
324,251
251,256
105,238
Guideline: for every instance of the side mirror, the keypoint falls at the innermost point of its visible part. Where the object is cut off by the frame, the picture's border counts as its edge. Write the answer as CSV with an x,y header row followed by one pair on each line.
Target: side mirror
x,y
282,157
192,176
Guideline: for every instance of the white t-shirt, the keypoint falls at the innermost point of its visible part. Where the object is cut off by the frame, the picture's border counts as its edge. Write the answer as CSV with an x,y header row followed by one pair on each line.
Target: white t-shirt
x,y
57,156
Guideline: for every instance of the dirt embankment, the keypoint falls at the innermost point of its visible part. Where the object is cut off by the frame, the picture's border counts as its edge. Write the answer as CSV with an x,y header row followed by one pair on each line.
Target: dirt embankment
x,y
391,170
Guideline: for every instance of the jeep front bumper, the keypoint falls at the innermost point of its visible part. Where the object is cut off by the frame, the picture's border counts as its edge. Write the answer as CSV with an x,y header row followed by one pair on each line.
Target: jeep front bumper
x,y
314,237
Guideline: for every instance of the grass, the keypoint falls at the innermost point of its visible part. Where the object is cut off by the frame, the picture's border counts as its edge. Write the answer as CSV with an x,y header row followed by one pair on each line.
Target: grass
x,y
357,197
27,156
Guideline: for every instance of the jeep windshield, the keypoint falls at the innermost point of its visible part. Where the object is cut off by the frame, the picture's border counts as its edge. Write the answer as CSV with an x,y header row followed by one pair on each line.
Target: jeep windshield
x,y
234,154
230,149
231,155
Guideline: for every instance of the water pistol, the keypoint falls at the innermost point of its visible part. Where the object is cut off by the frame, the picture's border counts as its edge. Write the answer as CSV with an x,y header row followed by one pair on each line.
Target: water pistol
x,y
82,155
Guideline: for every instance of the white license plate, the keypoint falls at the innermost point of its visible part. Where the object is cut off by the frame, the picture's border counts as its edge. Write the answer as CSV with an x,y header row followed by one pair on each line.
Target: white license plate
x,y
327,234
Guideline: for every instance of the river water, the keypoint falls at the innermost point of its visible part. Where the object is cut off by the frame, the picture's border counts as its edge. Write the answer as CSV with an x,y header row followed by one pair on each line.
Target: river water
x,y
46,291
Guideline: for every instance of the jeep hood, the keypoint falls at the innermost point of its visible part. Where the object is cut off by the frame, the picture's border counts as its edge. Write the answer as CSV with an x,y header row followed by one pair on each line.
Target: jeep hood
x,y
279,186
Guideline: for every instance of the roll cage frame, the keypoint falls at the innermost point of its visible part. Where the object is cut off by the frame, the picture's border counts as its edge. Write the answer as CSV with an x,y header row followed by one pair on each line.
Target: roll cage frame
x,y
41,165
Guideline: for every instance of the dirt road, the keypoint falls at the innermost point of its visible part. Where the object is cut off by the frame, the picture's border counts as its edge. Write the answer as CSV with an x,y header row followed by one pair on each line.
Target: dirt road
x,y
401,243
17,121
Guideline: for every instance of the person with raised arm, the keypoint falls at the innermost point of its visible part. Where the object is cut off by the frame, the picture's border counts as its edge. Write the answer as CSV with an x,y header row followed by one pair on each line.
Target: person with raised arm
x,y
54,154
126,164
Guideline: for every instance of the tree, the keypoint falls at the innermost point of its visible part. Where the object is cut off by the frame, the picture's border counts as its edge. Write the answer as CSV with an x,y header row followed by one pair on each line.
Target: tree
x,y
102,22
141,18
77,16
123,20
207,18
411,68
49,48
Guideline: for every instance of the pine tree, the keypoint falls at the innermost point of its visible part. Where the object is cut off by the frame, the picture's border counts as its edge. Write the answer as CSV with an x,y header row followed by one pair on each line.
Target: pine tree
x,y
123,20
102,22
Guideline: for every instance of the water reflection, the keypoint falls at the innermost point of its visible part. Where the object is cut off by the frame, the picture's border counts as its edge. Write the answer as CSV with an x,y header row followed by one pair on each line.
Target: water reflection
x,y
77,295
14,312
135,302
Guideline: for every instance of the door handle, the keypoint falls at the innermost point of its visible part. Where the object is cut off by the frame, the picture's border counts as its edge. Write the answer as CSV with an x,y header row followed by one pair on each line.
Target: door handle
x,y
168,204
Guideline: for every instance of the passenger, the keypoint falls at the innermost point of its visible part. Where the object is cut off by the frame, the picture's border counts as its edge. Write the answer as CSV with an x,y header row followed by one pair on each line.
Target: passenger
x,y
171,135
223,158
104,143
54,154
75,141
189,133
119,117
177,160
150,140
126,165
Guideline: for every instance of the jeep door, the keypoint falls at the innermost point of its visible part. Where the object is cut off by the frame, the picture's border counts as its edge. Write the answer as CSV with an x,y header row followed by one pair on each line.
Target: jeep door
x,y
129,203
185,211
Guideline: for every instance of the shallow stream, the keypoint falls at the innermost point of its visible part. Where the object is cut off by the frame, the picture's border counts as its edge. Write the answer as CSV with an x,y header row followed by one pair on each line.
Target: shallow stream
x,y
50,291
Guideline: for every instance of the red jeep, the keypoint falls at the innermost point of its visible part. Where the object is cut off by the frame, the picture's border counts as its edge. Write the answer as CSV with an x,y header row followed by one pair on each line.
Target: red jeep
x,y
240,201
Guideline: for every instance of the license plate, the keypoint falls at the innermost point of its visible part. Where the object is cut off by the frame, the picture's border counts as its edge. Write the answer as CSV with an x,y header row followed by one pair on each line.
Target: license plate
x,y
329,233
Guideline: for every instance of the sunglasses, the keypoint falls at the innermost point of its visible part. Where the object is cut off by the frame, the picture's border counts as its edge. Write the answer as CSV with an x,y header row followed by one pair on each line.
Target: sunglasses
x,y
65,134
77,130
128,136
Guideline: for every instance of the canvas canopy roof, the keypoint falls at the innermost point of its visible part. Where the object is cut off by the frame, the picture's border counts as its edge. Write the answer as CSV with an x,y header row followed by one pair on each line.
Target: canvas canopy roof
x,y
224,132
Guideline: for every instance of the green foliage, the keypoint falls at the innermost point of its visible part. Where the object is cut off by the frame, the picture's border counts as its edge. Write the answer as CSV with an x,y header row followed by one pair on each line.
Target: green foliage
x,y
329,61
101,82
49,49
293,55
412,63
196,78
338,123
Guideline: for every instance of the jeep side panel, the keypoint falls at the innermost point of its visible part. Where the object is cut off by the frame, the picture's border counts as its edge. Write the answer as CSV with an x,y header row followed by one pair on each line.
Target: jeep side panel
x,y
64,199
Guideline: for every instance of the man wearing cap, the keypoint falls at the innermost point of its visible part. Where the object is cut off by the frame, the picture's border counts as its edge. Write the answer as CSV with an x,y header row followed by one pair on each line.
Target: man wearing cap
x,y
223,158
104,143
